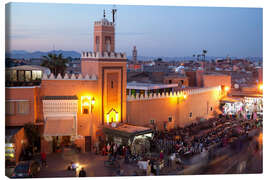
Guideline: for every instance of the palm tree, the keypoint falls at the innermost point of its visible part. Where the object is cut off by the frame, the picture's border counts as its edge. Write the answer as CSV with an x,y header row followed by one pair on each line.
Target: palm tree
x,y
56,63
198,57
204,53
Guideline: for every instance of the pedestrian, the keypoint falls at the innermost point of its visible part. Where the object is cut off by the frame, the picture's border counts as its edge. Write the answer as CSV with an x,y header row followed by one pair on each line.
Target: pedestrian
x,y
82,173
161,155
43,158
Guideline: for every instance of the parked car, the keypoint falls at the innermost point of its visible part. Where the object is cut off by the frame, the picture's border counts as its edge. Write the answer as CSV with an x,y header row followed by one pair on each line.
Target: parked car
x,y
26,169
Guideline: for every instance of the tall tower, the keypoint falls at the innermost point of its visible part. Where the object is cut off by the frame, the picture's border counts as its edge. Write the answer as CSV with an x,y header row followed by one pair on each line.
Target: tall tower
x,y
134,54
110,69
104,40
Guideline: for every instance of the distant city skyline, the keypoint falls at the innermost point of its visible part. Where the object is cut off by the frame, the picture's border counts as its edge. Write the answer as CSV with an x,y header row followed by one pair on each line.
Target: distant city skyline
x,y
154,30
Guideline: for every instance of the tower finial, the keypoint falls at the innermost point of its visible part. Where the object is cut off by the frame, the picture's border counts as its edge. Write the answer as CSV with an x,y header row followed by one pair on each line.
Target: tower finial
x,y
104,15
113,14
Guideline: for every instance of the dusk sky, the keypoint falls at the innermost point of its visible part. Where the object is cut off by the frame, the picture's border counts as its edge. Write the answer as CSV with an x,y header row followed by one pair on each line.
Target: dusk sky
x,y
155,30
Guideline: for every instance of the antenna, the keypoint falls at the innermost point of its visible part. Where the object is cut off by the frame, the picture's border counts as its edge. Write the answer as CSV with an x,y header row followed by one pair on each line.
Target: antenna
x,y
113,13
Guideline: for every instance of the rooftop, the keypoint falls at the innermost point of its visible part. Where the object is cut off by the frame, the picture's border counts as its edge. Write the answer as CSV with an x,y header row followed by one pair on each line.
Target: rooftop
x,y
128,130
149,86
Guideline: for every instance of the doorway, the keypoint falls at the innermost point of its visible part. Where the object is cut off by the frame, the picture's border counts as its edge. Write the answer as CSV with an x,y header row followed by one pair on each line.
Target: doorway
x,y
88,143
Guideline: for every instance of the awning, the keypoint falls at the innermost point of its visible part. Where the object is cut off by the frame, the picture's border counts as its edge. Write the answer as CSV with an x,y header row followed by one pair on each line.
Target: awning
x,y
60,126
127,130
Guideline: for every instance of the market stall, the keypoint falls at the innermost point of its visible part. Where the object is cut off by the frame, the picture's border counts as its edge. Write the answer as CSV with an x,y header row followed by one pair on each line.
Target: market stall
x,y
125,134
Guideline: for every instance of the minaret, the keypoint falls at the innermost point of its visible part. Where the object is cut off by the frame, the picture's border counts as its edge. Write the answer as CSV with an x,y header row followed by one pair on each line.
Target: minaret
x,y
104,37
134,54
110,68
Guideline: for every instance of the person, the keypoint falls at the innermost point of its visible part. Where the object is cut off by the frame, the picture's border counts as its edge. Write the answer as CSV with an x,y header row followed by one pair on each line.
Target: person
x,y
82,173
161,155
73,166
43,159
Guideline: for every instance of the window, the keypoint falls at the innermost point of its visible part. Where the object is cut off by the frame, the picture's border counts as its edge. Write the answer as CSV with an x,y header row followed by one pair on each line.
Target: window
x,y
152,121
36,75
22,107
28,76
170,119
85,110
21,76
10,108
97,43
211,109
111,84
190,114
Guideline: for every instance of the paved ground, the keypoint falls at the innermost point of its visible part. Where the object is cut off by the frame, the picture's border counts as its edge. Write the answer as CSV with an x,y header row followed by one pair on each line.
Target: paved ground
x,y
93,165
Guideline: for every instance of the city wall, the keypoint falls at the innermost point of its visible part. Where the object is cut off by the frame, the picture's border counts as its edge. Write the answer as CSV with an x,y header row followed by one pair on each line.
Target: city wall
x,y
183,110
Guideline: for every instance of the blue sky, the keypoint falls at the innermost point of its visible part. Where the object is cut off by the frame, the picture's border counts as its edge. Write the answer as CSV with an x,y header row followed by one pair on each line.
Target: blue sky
x,y
155,30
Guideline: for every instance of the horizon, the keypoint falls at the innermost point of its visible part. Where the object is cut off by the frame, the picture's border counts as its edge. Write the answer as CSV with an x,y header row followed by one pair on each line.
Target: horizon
x,y
234,32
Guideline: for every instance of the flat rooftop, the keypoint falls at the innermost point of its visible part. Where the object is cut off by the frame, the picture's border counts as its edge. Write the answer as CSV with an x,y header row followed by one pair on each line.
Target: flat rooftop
x,y
128,130
149,86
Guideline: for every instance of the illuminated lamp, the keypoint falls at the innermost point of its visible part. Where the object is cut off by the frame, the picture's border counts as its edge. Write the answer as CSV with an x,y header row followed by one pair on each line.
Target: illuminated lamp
x,y
85,104
260,87
226,88
185,96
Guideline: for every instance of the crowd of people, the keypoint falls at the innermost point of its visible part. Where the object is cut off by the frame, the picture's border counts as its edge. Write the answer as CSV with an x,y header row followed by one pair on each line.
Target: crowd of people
x,y
199,136
187,141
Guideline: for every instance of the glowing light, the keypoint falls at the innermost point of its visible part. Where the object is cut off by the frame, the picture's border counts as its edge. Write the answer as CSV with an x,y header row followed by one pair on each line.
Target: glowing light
x,y
185,96
226,88
93,101
116,117
261,87
108,118
85,103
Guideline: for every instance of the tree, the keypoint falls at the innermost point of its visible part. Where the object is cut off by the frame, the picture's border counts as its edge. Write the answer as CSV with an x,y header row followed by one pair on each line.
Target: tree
x,y
198,57
204,53
32,134
56,63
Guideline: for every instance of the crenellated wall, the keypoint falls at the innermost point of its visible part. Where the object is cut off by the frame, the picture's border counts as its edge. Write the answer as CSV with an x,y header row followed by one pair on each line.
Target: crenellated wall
x,y
69,77
201,102
104,55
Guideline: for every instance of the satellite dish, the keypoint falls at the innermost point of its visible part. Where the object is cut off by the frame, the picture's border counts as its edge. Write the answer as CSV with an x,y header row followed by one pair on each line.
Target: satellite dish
x,y
236,86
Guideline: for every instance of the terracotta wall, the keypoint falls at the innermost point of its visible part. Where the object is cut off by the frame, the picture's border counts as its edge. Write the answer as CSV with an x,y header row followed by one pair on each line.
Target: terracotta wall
x,y
140,112
22,93
20,141
78,88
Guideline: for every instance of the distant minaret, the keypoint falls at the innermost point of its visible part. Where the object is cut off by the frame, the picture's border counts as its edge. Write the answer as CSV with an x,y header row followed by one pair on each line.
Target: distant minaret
x,y
134,54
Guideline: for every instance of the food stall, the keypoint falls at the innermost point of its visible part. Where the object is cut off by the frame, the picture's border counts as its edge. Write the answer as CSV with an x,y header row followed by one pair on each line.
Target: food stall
x,y
125,134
